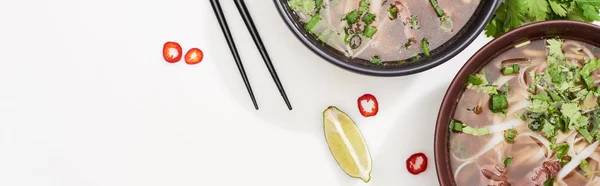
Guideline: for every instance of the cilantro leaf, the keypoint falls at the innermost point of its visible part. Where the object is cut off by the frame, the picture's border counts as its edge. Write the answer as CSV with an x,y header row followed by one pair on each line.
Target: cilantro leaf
x,y
538,9
538,106
549,130
555,53
590,66
557,8
589,8
511,14
515,10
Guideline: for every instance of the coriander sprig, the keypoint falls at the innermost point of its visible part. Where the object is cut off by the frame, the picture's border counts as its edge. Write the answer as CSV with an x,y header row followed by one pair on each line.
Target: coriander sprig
x,y
515,13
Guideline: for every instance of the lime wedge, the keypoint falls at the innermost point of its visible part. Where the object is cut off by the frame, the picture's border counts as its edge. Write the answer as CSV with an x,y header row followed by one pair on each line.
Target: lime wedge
x,y
347,144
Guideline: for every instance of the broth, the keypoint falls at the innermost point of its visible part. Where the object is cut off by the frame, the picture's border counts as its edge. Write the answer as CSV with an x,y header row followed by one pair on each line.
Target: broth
x,y
530,117
384,30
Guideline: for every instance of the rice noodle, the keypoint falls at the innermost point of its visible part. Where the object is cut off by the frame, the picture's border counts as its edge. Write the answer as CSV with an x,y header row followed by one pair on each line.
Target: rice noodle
x,y
542,140
495,128
502,80
460,167
576,160
516,107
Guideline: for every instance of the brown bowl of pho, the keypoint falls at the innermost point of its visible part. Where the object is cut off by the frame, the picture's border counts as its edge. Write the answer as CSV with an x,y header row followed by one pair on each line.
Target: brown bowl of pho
x,y
386,37
524,110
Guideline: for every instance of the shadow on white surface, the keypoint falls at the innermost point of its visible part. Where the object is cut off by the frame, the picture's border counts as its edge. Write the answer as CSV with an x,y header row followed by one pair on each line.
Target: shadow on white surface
x,y
414,132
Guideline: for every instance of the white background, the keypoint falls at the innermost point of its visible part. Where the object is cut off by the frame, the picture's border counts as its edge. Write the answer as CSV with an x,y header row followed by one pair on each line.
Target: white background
x,y
87,100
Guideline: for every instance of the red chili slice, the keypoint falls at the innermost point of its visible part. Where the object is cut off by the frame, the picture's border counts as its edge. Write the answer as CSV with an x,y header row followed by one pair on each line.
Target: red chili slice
x,y
417,163
193,56
367,105
172,52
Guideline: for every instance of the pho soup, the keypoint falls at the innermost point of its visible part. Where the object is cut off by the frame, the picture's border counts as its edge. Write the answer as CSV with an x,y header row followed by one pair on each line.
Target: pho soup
x,y
384,30
530,117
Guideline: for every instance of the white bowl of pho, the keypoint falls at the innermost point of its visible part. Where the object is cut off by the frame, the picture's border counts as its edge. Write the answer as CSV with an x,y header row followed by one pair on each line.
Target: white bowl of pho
x,y
524,110
386,37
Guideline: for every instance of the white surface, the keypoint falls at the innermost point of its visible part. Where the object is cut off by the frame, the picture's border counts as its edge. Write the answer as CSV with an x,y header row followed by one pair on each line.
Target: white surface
x,y
87,100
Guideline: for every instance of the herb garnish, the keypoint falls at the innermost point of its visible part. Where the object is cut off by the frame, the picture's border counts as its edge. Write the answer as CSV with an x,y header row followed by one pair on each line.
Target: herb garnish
x,y
376,60
507,162
425,46
393,12
510,135
514,13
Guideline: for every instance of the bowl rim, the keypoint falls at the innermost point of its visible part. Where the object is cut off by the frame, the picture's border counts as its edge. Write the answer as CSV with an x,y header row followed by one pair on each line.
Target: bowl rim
x,y
488,8
541,30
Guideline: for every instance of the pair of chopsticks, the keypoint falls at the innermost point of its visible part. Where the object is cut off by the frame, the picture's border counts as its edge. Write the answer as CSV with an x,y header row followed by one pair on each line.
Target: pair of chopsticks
x,y
241,6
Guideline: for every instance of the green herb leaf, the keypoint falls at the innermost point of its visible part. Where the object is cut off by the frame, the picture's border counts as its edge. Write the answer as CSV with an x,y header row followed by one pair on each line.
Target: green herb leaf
x,y
440,12
364,6
590,66
583,164
456,126
476,131
369,31
549,130
561,150
369,18
515,10
314,21
376,60
425,46
393,12
538,9
586,135
498,103
557,8
510,135
507,161
549,182
305,6
352,17
414,22
474,80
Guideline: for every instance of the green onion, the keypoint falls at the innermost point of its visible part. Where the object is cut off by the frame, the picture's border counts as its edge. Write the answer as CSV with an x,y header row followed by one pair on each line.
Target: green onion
x,y
583,164
556,74
364,6
510,135
425,46
438,9
414,22
369,31
586,135
474,80
542,97
369,18
554,96
507,161
509,70
314,20
561,150
456,126
498,103
376,60
319,5
352,17
410,42
549,182
588,80
393,11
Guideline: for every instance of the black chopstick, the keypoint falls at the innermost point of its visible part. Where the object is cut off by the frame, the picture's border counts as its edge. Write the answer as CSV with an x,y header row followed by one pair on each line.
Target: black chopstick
x,y
241,6
223,23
